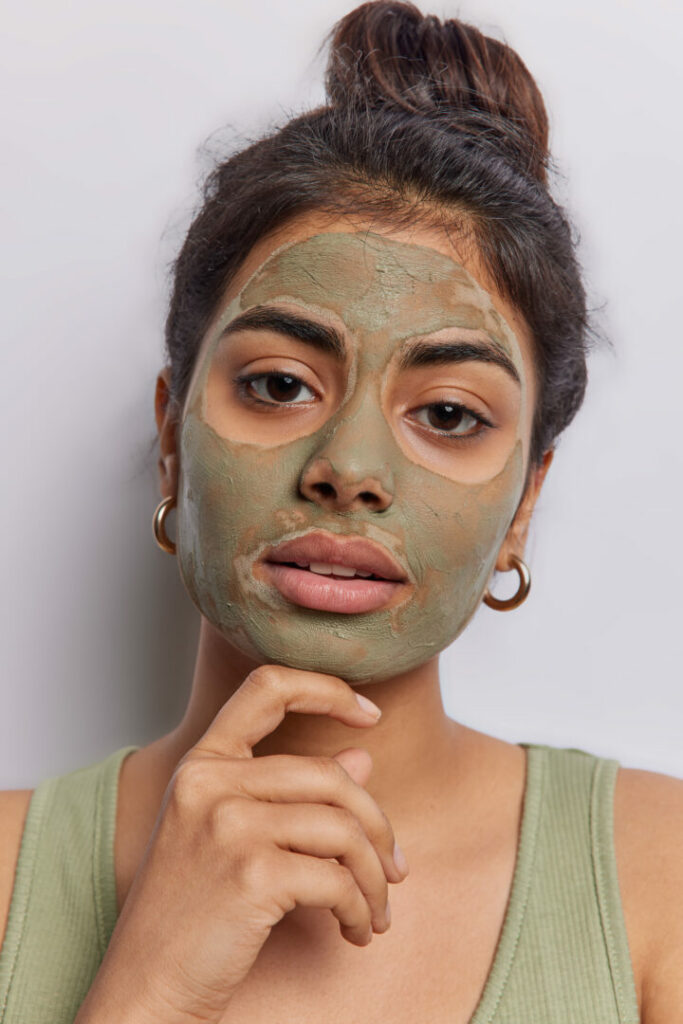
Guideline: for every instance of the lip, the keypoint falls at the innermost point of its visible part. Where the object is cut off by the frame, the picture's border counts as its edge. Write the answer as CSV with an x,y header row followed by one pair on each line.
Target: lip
x,y
330,593
326,594
356,552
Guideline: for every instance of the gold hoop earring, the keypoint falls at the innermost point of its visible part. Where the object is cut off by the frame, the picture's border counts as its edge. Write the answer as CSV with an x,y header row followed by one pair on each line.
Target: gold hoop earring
x,y
158,524
522,591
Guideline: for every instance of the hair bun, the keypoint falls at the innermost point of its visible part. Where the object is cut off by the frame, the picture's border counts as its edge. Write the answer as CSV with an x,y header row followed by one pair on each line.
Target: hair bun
x,y
387,53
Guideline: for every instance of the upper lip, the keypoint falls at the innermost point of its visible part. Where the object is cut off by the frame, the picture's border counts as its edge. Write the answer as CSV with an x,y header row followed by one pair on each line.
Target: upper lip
x,y
354,552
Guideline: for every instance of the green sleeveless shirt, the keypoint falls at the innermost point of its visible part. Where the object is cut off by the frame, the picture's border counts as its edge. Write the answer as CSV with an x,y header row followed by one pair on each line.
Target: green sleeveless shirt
x,y
562,955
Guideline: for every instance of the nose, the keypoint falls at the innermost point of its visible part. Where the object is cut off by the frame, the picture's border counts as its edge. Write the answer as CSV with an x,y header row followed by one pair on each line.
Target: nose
x,y
351,470
340,489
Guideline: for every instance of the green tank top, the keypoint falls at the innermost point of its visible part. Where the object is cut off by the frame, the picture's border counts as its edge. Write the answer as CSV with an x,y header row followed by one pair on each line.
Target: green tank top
x,y
562,955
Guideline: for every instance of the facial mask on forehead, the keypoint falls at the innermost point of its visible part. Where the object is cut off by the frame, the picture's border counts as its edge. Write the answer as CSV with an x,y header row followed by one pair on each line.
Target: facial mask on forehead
x,y
238,497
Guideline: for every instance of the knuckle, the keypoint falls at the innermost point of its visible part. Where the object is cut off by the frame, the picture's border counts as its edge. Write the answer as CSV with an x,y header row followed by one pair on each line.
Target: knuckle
x,y
266,677
350,824
328,770
346,883
191,783
255,870
229,818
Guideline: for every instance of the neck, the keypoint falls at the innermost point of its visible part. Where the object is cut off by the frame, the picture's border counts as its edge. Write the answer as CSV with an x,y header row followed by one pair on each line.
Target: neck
x,y
414,746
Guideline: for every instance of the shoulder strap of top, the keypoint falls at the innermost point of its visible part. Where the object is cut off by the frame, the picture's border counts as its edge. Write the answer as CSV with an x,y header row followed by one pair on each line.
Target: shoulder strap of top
x,y
500,993
571,959
63,907
607,887
569,762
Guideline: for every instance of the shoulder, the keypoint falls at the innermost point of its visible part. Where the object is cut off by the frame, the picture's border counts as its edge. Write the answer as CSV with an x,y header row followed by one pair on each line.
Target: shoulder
x,y
648,842
13,810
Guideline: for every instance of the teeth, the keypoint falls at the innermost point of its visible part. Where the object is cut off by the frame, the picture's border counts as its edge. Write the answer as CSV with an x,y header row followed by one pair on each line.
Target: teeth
x,y
322,567
326,569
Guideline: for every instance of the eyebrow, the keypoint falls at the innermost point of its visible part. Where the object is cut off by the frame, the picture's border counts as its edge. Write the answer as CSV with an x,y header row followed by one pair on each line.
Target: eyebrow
x,y
320,336
327,339
424,354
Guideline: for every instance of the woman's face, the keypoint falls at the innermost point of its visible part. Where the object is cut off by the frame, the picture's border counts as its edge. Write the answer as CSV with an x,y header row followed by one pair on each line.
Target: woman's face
x,y
361,385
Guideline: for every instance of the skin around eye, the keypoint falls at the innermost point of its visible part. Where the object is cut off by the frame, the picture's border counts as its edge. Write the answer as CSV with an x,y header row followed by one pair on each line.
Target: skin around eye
x,y
463,428
451,420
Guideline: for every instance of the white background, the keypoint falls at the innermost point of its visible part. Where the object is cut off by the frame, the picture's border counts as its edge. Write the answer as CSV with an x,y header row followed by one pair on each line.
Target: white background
x,y
106,106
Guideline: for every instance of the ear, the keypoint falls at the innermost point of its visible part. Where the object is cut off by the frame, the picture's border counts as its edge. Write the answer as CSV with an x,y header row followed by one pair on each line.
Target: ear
x,y
166,413
515,539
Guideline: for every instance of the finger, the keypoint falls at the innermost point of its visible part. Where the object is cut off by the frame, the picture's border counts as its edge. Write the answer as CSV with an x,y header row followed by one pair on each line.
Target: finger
x,y
264,698
322,831
290,778
312,882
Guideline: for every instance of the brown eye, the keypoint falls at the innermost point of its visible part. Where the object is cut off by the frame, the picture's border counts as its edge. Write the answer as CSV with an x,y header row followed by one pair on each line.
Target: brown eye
x,y
276,388
449,418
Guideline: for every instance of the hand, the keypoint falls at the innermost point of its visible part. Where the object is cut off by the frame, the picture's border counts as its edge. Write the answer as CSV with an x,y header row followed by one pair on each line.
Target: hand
x,y
239,841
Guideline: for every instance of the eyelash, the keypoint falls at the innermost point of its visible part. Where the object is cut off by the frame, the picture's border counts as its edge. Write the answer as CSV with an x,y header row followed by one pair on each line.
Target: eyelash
x,y
242,383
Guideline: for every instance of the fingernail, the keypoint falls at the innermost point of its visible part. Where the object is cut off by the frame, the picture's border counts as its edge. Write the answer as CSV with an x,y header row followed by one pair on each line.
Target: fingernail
x,y
368,706
400,859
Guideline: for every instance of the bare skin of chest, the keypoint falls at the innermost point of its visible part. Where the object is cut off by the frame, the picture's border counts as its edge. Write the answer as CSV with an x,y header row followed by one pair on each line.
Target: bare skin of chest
x,y
432,963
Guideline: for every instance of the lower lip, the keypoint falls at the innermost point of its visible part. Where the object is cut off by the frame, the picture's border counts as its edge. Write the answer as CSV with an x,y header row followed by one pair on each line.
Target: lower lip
x,y
313,590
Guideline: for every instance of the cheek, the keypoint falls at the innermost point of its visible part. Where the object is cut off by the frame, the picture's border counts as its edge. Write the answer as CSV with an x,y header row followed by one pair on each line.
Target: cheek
x,y
453,533
229,491
457,528
233,498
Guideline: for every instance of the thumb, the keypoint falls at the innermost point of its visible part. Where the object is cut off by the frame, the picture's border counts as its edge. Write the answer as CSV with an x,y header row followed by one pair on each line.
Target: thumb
x,y
357,762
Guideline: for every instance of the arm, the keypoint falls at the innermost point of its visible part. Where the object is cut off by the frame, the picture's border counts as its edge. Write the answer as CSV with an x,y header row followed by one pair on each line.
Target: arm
x,y
648,837
13,810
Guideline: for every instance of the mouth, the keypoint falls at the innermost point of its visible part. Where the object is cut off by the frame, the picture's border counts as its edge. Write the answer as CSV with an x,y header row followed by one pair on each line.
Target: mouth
x,y
327,572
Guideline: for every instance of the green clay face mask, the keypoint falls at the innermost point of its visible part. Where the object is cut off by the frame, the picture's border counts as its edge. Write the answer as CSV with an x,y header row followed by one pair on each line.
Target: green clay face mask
x,y
367,413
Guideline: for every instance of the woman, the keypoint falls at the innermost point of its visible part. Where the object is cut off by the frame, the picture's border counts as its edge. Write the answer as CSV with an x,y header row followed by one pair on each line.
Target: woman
x,y
377,333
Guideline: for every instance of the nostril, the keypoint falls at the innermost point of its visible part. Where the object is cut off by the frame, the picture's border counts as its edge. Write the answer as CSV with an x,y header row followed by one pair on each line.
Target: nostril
x,y
325,490
370,499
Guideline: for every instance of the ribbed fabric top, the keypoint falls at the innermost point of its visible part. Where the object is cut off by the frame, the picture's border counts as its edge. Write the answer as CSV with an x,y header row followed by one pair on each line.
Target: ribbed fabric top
x,y
562,955
63,908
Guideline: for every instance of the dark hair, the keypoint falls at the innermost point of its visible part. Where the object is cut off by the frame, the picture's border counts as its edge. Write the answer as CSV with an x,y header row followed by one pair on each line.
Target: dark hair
x,y
426,122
